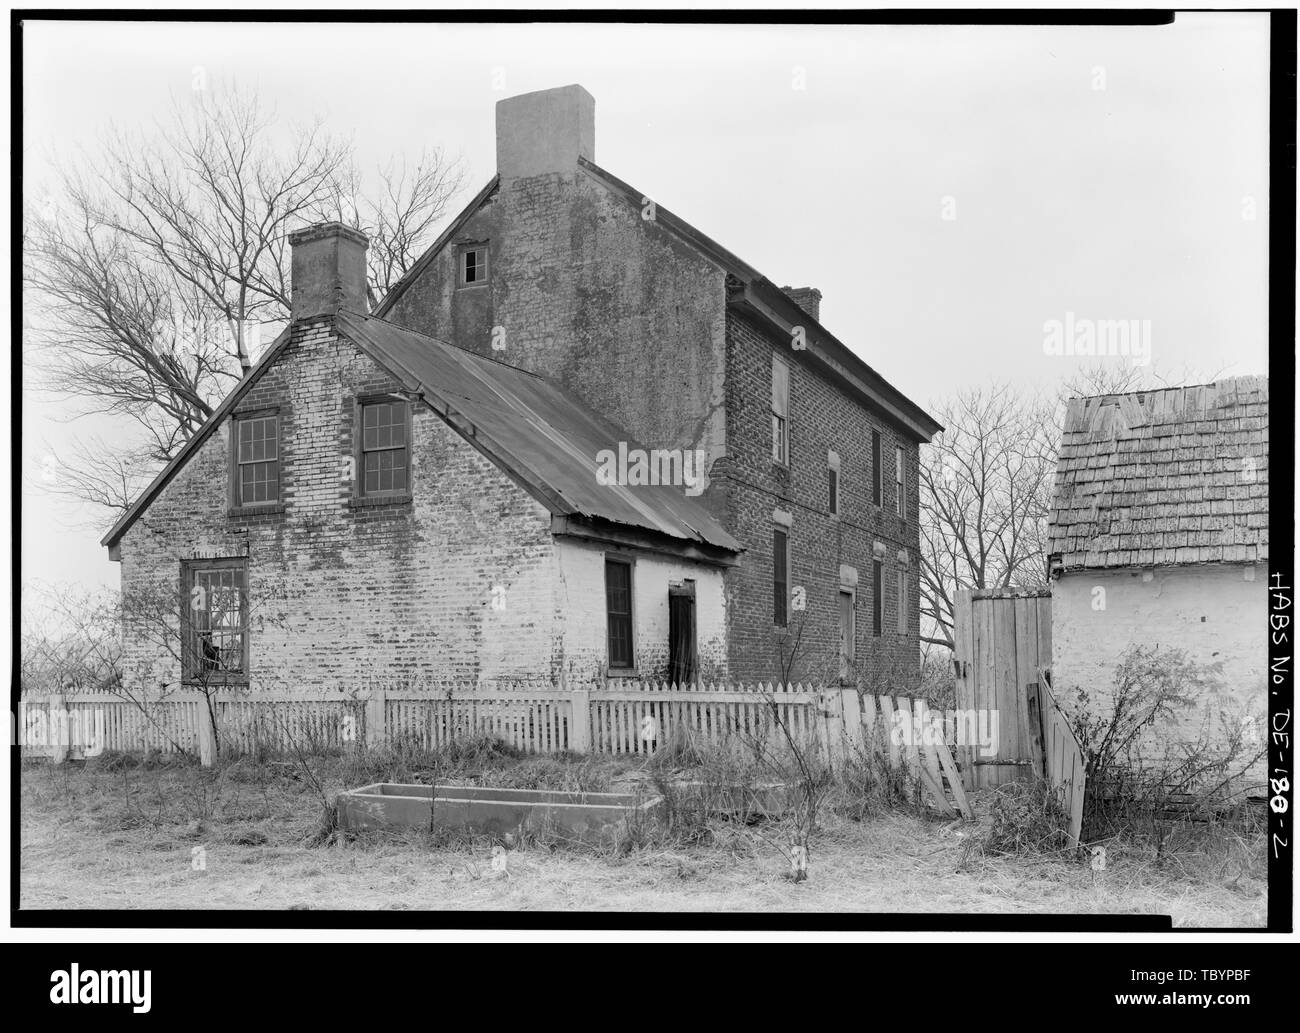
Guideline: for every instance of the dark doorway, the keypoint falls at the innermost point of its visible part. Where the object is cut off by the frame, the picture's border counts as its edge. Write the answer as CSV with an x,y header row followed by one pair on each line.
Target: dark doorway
x,y
681,635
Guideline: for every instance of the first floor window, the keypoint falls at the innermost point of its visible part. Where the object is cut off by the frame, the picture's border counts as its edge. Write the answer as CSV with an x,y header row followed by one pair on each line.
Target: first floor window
x,y
618,611
214,620
383,448
780,576
847,633
257,460
877,596
902,602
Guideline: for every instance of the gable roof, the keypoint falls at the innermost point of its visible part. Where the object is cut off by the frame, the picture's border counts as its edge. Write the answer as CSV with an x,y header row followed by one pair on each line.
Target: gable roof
x,y
749,289
546,439
1163,477
417,268
214,421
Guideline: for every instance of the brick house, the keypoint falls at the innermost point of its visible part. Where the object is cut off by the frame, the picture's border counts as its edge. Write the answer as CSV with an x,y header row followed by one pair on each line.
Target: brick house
x,y
1158,535
558,266
373,502
560,318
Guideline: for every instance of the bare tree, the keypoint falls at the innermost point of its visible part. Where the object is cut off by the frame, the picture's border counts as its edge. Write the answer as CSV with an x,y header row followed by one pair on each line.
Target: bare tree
x,y
986,486
158,258
985,489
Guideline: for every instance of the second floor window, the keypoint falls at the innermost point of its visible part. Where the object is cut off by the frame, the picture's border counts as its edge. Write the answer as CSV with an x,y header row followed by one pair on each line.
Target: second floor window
x,y
257,460
383,460
875,467
899,487
780,411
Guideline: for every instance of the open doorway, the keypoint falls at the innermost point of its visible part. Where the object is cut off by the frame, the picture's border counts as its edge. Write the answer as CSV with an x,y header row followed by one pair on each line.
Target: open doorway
x,y
681,633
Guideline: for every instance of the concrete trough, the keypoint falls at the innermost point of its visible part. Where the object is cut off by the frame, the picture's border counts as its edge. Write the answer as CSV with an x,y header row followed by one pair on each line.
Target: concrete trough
x,y
745,802
493,811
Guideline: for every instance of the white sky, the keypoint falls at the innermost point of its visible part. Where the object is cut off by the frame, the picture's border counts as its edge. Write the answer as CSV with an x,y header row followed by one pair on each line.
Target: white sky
x,y
1119,203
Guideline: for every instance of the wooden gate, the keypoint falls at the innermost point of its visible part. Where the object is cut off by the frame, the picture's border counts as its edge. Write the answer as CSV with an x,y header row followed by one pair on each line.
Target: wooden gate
x,y
1000,640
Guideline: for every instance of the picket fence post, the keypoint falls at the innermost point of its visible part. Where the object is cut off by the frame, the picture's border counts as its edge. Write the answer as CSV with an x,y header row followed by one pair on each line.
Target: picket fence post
x,y
375,717
58,733
207,742
580,720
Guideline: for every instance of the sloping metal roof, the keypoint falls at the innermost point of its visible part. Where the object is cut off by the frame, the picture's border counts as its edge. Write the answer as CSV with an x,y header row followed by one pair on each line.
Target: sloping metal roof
x,y
534,429
545,438
1155,478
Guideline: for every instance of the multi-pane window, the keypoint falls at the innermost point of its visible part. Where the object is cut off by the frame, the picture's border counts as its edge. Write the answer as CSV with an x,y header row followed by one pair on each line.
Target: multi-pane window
x,y
215,624
899,487
257,461
877,594
780,576
618,611
473,265
383,448
875,467
780,411
902,602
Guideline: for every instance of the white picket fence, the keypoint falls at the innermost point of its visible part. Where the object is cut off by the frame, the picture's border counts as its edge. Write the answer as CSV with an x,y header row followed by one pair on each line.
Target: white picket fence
x,y
628,718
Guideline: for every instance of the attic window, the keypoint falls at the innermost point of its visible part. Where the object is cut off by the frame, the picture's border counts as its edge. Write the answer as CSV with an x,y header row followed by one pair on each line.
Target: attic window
x,y
473,265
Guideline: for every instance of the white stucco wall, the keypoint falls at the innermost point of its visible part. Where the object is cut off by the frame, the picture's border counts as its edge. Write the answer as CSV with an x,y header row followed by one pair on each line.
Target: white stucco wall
x,y
581,584
1212,612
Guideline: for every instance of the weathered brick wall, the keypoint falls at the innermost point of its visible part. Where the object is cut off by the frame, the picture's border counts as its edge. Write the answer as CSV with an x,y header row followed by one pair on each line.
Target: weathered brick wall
x,y
340,593
593,295
822,419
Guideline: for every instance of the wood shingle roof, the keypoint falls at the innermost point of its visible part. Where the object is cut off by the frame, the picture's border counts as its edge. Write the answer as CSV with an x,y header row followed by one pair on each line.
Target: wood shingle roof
x,y
1158,478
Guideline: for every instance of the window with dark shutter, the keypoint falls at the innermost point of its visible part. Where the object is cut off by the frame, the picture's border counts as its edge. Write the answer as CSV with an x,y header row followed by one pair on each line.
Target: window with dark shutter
x,y
780,577
618,611
877,593
875,467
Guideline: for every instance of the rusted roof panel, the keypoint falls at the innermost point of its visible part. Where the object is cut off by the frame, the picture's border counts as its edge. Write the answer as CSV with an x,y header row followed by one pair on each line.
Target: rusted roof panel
x,y
534,429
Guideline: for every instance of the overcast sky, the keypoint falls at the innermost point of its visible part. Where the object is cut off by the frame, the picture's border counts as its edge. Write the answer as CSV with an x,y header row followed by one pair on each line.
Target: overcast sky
x,y
1095,171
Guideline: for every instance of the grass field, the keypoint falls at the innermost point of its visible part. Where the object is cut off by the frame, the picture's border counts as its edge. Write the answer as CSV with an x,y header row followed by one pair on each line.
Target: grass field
x,y
105,834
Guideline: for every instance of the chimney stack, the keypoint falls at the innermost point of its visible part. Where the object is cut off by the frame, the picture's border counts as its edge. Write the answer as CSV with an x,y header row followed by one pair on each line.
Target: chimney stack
x,y
545,132
328,270
807,298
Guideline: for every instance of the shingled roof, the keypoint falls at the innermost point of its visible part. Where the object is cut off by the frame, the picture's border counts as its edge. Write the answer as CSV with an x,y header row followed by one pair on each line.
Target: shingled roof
x,y
1166,477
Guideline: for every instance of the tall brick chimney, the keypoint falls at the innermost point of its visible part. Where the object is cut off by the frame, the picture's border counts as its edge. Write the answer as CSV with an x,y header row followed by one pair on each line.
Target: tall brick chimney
x,y
545,132
328,270
807,298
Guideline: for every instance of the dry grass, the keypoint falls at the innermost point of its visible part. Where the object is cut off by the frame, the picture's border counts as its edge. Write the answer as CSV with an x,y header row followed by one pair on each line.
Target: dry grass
x,y
100,837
